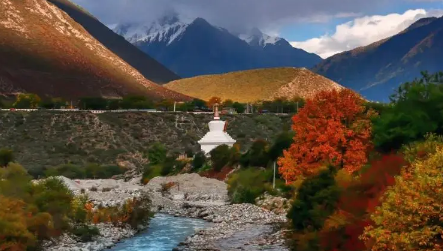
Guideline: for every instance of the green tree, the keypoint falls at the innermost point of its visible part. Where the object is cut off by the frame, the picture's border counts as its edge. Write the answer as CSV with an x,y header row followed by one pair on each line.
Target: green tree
x,y
316,200
93,103
199,160
228,103
136,102
239,108
157,153
258,153
27,101
6,156
414,111
283,141
199,103
220,157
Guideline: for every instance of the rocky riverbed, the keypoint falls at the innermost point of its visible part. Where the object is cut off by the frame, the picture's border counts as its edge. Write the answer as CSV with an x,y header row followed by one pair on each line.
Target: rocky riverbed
x,y
236,227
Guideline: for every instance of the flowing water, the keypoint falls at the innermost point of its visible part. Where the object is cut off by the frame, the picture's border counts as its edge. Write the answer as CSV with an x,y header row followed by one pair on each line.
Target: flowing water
x,y
164,233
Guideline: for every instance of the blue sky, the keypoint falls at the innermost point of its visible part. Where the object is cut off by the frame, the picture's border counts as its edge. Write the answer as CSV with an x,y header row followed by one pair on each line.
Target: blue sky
x,y
324,27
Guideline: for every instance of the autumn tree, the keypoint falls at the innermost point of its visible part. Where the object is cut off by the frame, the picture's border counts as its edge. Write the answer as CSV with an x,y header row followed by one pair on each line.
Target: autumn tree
x,y
410,217
212,101
332,128
14,233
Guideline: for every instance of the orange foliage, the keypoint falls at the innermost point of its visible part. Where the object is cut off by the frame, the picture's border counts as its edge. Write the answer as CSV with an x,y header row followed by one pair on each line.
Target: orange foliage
x,y
212,101
332,128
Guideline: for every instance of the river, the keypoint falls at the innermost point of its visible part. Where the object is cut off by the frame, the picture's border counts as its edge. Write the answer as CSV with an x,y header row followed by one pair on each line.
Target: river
x,y
165,232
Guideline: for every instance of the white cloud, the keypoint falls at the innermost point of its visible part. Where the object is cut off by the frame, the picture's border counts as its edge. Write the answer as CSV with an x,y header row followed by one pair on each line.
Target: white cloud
x,y
363,31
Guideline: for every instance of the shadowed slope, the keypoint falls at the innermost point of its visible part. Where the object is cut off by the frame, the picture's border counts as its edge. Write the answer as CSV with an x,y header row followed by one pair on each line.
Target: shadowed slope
x,y
42,50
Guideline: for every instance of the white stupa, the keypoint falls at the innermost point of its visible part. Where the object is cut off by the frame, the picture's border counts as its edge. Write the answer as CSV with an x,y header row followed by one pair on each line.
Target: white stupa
x,y
217,134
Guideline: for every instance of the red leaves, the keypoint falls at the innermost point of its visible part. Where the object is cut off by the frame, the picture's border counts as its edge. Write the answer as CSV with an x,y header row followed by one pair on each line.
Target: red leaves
x,y
360,199
331,128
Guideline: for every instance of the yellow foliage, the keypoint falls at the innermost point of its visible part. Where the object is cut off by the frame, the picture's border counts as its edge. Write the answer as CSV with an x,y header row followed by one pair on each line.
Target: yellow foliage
x,y
14,234
410,217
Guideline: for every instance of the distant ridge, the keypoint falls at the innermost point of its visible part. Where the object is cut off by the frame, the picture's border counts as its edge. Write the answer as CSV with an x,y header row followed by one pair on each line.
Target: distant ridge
x,y
255,85
146,65
378,69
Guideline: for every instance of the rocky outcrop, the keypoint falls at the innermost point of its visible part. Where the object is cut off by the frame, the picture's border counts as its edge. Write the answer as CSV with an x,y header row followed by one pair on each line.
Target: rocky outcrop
x,y
275,204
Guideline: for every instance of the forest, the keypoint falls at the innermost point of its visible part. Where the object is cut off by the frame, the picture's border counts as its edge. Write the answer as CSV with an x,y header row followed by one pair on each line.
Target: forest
x,y
368,176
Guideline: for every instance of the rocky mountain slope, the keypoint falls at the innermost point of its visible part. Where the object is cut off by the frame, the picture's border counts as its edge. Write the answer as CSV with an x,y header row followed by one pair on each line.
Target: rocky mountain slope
x,y
375,70
192,48
146,65
44,51
47,139
254,85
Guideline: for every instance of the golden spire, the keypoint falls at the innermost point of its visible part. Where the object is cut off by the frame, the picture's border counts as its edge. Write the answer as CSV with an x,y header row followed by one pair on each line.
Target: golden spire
x,y
216,115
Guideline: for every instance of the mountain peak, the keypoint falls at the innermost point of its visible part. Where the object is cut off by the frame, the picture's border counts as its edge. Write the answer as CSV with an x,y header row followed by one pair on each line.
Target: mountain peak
x,y
255,37
421,22
200,21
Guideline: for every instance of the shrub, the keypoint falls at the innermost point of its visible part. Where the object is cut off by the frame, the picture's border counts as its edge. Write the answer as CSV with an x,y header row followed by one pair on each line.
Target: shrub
x,y
6,156
68,170
106,189
246,185
220,157
85,233
316,200
168,166
157,153
52,196
198,161
258,153
93,189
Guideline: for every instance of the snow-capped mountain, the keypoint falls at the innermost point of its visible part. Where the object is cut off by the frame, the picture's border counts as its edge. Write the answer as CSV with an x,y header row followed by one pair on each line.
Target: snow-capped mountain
x,y
192,47
256,38
165,30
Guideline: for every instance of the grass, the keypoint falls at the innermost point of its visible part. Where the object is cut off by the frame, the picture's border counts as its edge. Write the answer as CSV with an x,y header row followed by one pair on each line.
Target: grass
x,y
252,85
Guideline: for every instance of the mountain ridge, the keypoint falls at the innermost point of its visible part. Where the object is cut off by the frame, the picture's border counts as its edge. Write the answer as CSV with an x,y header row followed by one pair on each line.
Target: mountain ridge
x,y
255,85
145,64
44,51
377,69
197,47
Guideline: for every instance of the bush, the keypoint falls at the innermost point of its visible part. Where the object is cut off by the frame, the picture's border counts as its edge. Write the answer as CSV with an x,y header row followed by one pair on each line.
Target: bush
x,y
316,200
220,157
85,233
198,161
157,153
6,156
168,166
93,189
68,170
246,185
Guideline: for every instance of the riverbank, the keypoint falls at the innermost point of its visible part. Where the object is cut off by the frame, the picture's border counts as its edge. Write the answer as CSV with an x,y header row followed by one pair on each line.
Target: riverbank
x,y
187,195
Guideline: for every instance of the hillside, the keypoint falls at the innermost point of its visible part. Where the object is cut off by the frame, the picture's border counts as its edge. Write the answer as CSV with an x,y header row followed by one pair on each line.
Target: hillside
x,y
46,139
43,51
254,85
377,69
146,65
194,48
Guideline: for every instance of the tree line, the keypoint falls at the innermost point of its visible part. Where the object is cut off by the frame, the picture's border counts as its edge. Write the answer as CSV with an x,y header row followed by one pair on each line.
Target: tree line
x,y
33,101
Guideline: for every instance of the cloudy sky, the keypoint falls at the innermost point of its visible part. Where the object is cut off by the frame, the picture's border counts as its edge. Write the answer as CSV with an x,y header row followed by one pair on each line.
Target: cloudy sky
x,y
324,27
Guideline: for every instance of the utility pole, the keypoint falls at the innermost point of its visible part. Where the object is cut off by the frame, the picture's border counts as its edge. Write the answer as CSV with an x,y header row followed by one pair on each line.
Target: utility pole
x,y
297,107
175,102
273,181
